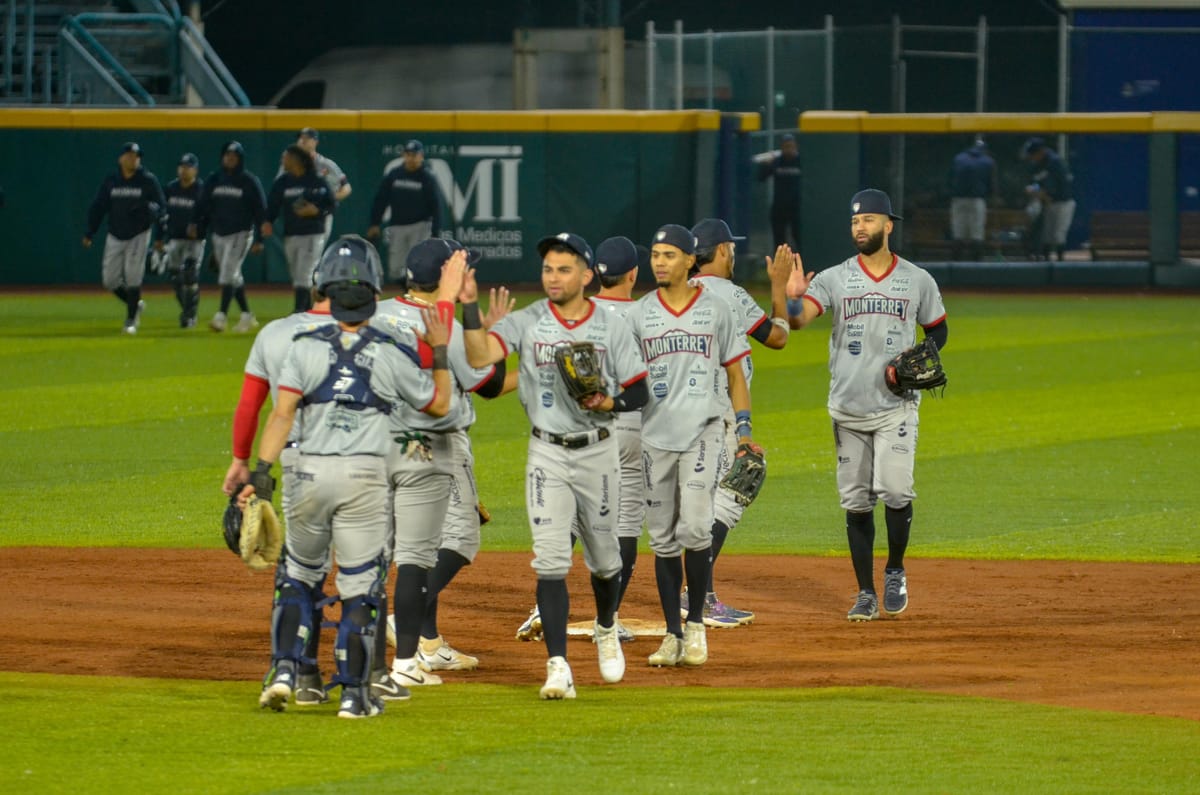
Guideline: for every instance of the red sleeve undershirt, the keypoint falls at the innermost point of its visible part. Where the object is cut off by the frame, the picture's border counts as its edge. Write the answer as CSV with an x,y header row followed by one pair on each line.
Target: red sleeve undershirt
x,y
245,417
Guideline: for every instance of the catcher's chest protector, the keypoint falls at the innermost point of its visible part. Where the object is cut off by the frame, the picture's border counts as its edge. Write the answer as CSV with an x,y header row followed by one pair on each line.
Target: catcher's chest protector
x,y
348,382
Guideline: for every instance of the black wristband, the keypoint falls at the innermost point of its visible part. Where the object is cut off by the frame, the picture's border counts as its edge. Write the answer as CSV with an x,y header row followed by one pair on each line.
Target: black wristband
x,y
264,466
471,317
441,361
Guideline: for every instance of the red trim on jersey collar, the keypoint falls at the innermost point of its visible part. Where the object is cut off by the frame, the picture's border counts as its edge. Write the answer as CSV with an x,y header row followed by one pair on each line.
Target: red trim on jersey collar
x,y
616,298
695,297
887,273
572,323
318,311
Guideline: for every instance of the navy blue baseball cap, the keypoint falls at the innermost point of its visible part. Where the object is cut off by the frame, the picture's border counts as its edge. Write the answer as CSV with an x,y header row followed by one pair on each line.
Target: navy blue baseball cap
x,y
425,260
571,241
309,132
678,236
414,146
872,201
643,256
473,254
712,232
1032,145
131,146
189,159
616,256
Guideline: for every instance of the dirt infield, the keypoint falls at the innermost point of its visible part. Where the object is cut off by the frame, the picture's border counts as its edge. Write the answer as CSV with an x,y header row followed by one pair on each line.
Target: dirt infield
x,y
1117,637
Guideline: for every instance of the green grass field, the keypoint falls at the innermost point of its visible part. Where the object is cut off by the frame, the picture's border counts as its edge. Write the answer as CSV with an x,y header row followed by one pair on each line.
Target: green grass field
x,y
1069,430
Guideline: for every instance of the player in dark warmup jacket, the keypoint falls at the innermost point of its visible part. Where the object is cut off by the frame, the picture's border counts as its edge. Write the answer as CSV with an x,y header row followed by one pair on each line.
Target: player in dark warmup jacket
x,y
182,254
785,205
411,194
233,209
133,201
306,200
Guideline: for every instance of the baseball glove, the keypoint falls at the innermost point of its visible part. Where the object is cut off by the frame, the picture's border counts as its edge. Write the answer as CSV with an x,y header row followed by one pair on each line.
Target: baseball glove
x,y
253,534
579,366
745,477
485,515
919,367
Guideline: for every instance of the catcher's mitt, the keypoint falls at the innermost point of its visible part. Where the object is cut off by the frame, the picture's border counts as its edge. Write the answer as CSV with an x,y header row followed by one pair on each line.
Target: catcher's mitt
x,y
745,477
253,534
919,367
579,366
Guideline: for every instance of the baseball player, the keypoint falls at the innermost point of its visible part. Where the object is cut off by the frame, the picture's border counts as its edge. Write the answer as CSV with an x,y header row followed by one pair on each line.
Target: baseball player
x,y
308,139
572,472
411,195
341,381
133,201
232,207
876,300
617,260
306,201
716,249
435,500
181,255
688,337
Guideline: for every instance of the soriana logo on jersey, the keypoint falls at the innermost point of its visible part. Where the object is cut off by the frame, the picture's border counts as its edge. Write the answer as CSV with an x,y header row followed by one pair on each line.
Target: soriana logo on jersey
x,y
874,304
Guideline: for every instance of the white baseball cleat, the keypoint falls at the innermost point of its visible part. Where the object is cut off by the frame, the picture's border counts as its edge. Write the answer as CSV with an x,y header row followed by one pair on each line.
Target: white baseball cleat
x,y
695,644
218,322
560,683
408,673
608,649
246,322
438,655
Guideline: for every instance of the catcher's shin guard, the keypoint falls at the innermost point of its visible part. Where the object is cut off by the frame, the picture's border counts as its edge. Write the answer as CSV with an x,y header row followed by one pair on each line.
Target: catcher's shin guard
x,y
291,620
354,649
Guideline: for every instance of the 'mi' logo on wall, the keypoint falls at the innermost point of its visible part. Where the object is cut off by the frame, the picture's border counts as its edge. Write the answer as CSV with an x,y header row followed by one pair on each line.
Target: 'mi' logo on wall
x,y
486,209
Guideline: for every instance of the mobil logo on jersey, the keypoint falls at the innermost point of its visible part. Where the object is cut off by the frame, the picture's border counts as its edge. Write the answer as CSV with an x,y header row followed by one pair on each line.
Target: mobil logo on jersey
x,y
676,341
874,304
480,185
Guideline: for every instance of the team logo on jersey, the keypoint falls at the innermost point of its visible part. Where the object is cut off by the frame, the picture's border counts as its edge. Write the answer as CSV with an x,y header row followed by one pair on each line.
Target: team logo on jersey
x,y
855,347
676,342
543,353
660,389
874,304
125,193
547,399
345,381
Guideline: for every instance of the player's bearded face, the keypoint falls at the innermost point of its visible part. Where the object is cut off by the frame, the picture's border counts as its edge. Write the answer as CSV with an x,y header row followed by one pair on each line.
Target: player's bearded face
x,y
868,233
563,277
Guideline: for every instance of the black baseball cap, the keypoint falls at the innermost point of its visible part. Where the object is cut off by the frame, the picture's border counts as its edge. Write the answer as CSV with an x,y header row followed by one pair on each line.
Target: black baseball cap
x,y
616,256
189,159
1032,145
309,132
131,146
425,260
872,201
712,232
414,146
675,235
473,254
571,241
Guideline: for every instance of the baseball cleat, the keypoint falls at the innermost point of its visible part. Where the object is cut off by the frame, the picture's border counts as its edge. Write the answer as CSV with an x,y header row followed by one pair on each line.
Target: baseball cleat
x,y
695,644
218,322
718,614
560,683
408,673
137,316
866,607
357,703
623,632
669,653
280,681
310,690
438,655
385,687
129,328
532,628
608,649
895,591
246,322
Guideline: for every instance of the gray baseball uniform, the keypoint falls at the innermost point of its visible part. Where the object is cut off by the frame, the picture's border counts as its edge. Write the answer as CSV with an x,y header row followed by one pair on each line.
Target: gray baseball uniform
x,y
572,470
438,505
748,316
873,320
628,426
338,491
685,353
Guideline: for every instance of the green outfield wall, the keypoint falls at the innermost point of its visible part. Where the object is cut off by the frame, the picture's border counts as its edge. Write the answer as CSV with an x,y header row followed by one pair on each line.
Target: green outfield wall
x,y
508,178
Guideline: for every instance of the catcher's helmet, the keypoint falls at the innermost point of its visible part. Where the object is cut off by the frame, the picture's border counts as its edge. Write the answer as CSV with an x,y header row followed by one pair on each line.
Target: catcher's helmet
x,y
351,275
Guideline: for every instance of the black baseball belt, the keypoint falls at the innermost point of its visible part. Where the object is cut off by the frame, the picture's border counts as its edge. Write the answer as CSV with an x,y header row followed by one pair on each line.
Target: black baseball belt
x,y
573,441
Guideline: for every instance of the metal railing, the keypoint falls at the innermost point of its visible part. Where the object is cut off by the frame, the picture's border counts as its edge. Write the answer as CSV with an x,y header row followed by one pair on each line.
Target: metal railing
x,y
205,71
88,65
